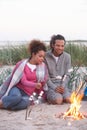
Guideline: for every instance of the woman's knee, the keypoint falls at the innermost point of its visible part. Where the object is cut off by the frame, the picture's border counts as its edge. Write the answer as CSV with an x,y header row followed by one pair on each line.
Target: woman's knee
x,y
15,92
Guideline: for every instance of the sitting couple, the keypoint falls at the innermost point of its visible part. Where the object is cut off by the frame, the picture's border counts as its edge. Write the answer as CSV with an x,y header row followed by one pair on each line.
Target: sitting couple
x,y
46,72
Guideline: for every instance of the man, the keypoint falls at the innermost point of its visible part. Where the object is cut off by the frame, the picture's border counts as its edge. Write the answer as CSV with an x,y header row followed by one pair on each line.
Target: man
x,y
59,65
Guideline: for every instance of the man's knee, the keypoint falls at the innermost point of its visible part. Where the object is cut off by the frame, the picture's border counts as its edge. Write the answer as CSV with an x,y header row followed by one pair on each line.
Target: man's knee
x,y
58,101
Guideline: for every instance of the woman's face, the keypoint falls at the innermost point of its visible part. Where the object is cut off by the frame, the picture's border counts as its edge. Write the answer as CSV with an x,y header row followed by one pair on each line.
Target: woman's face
x,y
39,57
58,47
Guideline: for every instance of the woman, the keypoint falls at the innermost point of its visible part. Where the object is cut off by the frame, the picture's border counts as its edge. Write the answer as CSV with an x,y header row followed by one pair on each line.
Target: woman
x,y
28,76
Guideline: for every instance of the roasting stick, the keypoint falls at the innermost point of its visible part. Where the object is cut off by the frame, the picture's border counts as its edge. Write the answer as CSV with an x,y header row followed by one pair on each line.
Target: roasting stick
x,y
29,109
80,87
33,103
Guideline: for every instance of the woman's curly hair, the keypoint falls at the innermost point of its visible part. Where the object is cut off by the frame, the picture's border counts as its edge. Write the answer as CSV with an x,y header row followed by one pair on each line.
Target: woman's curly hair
x,y
35,46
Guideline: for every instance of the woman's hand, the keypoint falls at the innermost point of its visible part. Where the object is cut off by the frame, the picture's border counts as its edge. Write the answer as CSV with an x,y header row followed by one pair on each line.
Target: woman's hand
x,y
38,85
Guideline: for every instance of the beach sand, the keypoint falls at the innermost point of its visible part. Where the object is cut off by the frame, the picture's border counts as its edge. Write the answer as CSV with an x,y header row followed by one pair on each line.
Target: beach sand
x,y
42,117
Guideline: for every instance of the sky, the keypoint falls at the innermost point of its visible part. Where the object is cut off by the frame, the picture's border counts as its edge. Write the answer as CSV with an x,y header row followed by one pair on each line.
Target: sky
x,y
22,20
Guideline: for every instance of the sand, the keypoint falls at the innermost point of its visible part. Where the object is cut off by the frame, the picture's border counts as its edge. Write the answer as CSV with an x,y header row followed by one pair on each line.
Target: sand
x,y
42,117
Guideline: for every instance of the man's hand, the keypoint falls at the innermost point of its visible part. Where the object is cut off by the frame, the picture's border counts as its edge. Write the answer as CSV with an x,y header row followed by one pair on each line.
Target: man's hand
x,y
38,85
60,89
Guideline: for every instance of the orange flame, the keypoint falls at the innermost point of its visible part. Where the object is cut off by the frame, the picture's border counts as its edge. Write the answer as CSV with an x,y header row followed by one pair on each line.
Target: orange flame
x,y
73,111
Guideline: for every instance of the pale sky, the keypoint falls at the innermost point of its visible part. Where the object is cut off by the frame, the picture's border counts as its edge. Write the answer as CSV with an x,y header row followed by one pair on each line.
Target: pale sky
x,y
28,19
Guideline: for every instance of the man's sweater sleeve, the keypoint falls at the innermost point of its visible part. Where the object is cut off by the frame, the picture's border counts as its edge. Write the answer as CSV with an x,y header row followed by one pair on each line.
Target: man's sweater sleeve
x,y
51,84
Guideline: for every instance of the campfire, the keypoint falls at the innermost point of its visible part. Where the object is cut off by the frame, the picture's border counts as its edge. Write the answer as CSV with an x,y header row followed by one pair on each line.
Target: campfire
x,y
73,111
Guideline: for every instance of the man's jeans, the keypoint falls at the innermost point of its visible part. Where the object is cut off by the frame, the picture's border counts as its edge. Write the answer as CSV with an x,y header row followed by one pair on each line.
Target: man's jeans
x,y
16,99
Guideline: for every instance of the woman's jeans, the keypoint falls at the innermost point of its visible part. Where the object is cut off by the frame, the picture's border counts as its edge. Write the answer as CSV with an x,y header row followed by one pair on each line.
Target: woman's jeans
x,y
16,99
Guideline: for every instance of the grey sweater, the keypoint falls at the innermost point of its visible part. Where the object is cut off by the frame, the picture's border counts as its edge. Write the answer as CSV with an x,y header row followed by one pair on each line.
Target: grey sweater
x,y
58,69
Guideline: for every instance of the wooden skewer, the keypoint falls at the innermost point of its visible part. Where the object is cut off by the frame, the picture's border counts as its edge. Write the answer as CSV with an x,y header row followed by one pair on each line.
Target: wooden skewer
x,y
28,111
79,88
